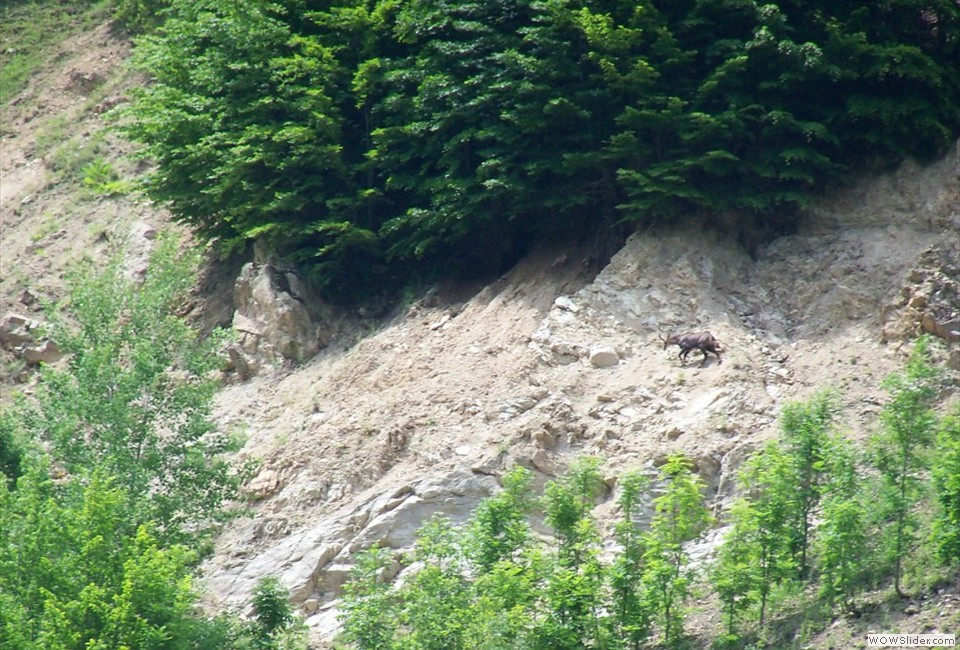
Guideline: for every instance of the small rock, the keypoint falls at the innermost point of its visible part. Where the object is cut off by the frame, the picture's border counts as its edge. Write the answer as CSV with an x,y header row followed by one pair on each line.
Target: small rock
x,y
545,439
544,463
29,298
263,484
565,302
46,352
333,578
440,323
243,323
564,353
604,358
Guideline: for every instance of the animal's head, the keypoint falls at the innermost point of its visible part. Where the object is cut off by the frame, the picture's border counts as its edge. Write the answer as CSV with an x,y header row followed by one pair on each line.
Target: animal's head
x,y
667,341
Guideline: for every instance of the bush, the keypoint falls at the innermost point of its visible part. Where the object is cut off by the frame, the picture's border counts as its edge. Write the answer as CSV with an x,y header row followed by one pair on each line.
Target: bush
x,y
946,483
10,451
134,396
139,16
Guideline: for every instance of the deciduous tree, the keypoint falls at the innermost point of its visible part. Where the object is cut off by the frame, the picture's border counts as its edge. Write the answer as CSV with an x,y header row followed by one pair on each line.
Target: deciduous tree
x,y
679,516
898,452
946,482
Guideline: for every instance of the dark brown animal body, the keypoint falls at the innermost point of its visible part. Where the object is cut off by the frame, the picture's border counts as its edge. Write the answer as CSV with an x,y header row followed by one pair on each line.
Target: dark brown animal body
x,y
703,341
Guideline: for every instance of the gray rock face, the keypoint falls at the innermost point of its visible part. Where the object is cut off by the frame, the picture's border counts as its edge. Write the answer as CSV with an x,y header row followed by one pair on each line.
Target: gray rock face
x,y
277,318
314,562
16,330
19,334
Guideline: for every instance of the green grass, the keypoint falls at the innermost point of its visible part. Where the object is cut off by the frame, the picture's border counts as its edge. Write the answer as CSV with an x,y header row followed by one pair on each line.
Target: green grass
x,y
31,29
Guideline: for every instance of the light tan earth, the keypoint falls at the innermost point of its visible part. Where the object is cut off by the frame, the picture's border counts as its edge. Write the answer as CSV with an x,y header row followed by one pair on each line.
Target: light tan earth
x,y
417,414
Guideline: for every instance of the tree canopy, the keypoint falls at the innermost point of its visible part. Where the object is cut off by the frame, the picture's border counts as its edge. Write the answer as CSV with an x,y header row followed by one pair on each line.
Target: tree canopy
x,y
381,140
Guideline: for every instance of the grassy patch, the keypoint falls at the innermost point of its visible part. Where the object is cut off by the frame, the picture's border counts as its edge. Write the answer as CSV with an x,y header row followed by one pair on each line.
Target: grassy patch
x,y
100,178
72,157
31,29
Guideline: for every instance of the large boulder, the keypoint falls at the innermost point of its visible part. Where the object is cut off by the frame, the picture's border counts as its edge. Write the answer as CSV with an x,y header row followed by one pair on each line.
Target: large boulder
x,y
277,318
17,330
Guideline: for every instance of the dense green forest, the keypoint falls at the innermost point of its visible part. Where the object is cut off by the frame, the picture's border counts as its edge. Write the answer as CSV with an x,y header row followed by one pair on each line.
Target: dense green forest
x,y
377,142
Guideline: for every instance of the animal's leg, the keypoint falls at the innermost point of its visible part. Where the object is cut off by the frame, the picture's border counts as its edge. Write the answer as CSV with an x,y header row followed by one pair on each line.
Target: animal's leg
x,y
704,362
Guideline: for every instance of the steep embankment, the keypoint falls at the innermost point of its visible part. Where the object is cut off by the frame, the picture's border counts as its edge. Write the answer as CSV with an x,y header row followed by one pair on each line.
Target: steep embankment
x,y
51,133
395,421
366,441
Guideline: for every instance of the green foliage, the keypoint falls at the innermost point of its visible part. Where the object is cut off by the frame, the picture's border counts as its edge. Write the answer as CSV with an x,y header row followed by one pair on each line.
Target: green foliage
x,y
908,427
499,527
11,451
630,618
139,16
100,178
737,575
574,575
369,604
868,516
769,543
270,606
434,610
114,477
806,435
765,519
680,516
75,159
567,504
501,107
76,573
275,627
491,585
842,541
382,142
135,395
946,482
241,121
81,574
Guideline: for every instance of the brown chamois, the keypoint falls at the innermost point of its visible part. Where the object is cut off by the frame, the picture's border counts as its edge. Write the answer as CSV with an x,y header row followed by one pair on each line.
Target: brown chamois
x,y
703,341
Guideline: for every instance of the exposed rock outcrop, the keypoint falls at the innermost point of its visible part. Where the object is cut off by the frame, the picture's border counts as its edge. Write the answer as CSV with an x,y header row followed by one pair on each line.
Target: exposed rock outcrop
x,y
363,444
277,318
21,335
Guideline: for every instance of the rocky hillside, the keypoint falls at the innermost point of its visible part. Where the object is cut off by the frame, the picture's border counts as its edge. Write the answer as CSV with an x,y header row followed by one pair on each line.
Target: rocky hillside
x,y
364,428
383,429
